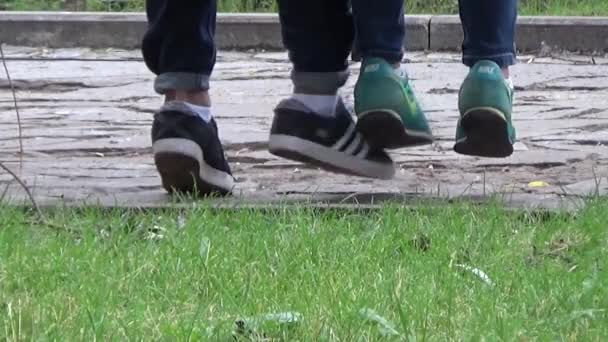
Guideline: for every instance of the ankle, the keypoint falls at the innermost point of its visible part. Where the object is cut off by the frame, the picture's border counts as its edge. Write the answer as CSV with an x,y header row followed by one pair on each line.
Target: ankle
x,y
505,72
195,97
394,65
320,104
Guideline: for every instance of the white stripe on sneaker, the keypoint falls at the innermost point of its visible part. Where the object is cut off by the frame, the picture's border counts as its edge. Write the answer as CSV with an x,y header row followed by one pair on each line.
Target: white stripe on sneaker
x,y
364,151
353,144
330,156
349,132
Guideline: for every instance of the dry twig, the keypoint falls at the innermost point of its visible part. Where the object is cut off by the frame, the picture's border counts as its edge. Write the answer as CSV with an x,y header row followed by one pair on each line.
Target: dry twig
x,y
24,186
10,82
39,213
41,218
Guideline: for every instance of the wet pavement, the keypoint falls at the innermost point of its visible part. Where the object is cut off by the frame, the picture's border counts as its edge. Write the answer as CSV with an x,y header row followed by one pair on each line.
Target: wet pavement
x,y
86,118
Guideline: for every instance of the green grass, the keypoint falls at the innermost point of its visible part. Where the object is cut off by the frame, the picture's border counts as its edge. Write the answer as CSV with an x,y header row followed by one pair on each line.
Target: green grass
x,y
99,277
527,7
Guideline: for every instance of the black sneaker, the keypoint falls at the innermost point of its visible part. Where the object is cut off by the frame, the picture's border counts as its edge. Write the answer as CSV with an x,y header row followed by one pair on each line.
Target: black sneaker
x,y
188,153
331,143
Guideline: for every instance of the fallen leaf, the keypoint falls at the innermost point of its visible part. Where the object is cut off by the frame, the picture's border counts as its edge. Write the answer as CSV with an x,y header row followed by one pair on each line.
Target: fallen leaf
x,y
284,317
104,233
538,184
385,327
253,326
210,331
477,272
181,221
204,249
588,313
154,236
421,242
155,233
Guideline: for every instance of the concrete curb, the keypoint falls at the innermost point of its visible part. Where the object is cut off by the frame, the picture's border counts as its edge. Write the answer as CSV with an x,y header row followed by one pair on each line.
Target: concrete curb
x,y
262,31
125,30
586,34
417,32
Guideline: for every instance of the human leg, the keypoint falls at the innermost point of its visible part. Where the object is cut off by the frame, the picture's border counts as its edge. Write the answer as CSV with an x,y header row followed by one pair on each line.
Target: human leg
x,y
313,125
486,96
389,114
179,48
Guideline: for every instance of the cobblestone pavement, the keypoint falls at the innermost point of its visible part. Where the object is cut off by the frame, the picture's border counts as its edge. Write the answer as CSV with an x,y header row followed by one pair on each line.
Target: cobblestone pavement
x,y
86,126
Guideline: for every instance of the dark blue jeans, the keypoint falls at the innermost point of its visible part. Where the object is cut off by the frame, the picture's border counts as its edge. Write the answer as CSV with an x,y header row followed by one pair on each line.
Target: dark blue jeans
x,y
489,31
179,44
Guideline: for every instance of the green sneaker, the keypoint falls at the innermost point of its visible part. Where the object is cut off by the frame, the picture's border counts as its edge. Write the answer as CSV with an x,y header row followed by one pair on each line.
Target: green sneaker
x,y
389,115
485,103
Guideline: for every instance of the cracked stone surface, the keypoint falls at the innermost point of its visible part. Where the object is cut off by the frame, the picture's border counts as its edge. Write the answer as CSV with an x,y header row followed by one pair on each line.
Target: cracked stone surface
x,y
86,118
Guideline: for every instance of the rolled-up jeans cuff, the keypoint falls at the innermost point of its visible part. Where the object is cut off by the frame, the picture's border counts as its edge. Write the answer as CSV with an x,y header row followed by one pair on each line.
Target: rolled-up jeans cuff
x,y
180,81
503,59
318,82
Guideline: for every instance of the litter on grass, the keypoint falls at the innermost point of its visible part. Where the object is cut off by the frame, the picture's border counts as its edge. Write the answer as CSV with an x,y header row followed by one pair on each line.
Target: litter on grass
x,y
385,327
260,326
477,272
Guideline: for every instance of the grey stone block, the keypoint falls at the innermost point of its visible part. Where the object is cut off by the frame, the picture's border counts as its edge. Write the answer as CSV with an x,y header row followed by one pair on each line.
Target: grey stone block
x,y
117,30
585,34
249,31
245,31
125,30
417,32
445,33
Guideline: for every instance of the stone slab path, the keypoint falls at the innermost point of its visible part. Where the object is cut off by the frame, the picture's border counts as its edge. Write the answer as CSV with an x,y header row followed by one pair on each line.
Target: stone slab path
x,y
86,118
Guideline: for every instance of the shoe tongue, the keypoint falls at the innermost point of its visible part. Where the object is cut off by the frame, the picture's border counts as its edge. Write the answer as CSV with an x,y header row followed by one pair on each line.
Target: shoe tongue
x,y
487,70
382,67
372,65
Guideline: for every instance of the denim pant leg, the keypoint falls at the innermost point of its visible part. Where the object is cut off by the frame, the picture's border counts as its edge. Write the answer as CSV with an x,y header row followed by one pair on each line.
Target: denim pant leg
x,y
380,28
178,45
318,35
489,31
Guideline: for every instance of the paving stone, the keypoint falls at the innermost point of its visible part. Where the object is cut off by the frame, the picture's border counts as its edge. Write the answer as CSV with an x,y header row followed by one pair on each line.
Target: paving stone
x,y
86,127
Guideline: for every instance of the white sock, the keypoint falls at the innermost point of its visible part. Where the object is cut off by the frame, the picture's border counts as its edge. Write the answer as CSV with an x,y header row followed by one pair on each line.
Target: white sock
x,y
203,112
321,104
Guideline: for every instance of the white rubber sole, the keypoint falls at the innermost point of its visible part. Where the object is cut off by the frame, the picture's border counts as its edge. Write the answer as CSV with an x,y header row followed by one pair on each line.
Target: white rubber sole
x,y
178,160
327,158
